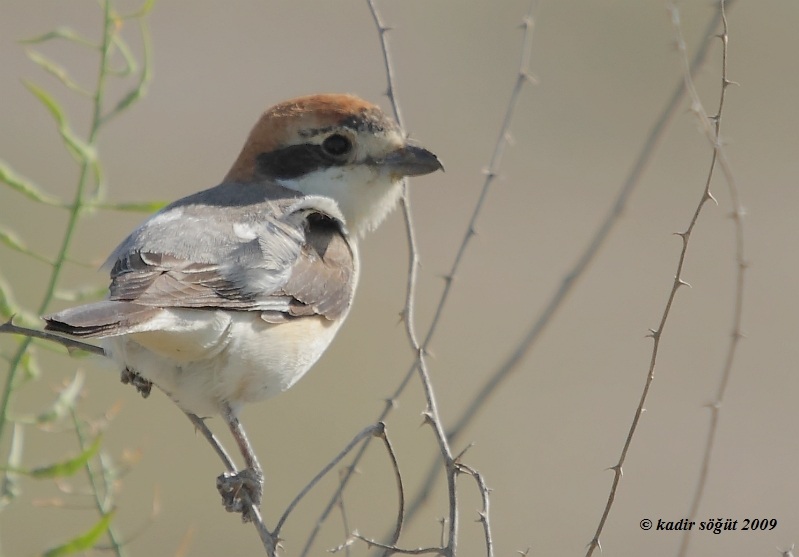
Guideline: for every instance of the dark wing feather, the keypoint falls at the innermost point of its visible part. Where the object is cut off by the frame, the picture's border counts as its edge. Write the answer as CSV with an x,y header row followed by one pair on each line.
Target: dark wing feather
x,y
158,279
322,278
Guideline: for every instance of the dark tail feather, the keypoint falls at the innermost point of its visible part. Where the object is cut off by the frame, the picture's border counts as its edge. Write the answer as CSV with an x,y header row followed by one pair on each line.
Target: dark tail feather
x,y
100,319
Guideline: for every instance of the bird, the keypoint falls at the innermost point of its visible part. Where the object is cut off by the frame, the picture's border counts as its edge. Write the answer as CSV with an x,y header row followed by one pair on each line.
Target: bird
x,y
228,296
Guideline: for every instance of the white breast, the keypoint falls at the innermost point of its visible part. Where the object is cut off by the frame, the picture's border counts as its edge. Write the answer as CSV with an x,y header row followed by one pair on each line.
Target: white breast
x,y
204,359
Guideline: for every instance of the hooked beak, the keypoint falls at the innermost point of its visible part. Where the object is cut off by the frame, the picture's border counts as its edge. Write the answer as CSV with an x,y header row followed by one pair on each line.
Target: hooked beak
x,y
411,160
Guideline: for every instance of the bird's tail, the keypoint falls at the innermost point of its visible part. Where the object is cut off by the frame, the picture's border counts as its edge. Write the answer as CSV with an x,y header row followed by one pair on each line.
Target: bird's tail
x,y
100,319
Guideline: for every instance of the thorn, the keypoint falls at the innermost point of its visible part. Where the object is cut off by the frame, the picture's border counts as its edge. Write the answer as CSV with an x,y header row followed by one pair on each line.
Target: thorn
x,y
391,403
350,468
403,316
709,196
463,452
681,282
528,77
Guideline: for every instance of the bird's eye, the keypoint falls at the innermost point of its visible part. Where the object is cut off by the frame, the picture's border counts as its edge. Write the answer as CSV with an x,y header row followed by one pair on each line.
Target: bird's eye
x,y
337,145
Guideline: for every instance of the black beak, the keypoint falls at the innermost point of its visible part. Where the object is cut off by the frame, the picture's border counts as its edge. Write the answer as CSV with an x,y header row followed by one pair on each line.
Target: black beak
x,y
411,160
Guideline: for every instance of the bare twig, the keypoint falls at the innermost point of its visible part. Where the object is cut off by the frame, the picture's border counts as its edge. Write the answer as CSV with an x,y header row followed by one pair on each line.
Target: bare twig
x,y
657,334
523,77
400,490
738,213
484,513
345,522
376,430
432,416
389,548
570,279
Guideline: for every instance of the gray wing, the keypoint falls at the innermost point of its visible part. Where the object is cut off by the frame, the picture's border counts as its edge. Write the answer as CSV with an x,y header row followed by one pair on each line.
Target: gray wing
x,y
286,258
297,268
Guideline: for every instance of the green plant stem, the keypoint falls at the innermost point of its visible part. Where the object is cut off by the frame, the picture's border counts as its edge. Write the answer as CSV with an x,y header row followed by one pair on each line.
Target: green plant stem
x,y
74,215
102,508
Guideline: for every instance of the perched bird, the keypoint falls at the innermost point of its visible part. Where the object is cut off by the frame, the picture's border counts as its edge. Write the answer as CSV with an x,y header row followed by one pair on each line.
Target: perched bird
x,y
229,296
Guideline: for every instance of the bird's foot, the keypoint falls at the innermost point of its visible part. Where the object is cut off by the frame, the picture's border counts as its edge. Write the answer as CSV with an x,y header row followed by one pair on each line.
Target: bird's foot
x,y
240,488
143,386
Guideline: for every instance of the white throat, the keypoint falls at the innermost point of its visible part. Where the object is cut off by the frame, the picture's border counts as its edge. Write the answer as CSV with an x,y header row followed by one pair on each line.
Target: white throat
x,y
364,194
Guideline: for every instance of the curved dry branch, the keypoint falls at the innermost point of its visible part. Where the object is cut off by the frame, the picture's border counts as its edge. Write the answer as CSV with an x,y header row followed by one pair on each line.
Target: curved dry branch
x,y
718,157
714,137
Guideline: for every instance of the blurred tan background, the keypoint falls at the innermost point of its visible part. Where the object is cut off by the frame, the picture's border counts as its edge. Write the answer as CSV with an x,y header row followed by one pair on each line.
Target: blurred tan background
x,y
545,440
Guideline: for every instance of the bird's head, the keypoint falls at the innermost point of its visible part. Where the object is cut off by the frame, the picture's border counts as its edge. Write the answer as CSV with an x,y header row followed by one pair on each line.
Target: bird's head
x,y
336,146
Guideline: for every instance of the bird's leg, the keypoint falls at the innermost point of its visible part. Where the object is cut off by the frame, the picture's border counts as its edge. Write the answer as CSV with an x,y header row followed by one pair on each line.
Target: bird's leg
x,y
245,486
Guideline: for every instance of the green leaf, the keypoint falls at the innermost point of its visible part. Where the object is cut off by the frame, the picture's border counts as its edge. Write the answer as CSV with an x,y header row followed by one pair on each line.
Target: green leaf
x,y
83,542
79,149
64,468
10,240
49,102
8,307
26,187
56,70
131,97
9,489
145,76
141,12
65,401
61,33
129,64
30,365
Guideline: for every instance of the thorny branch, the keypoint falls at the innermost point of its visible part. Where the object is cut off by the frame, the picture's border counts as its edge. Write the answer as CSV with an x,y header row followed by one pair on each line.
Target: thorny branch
x,y
714,137
570,279
377,430
718,157
431,414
